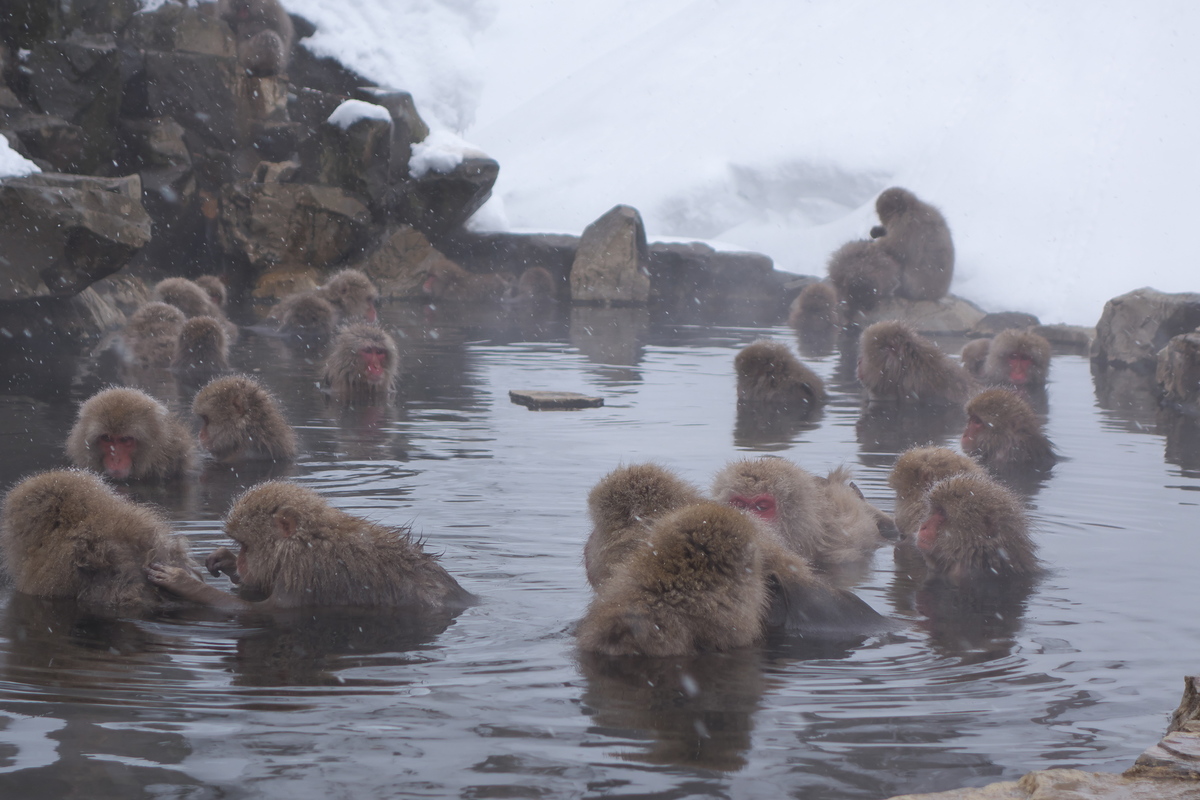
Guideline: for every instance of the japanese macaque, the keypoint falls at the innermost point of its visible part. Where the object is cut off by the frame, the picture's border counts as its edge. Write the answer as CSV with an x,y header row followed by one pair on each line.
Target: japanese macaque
x,y
448,281
815,308
193,301
352,294
864,274
973,356
297,551
126,434
307,314
203,347
264,33
975,528
536,285
696,585
362,362
240,420
215,288
1178,371
623,506
151,336
917,237
1005,433
772,380
915,470
825,520
65,534
898,365
1019,358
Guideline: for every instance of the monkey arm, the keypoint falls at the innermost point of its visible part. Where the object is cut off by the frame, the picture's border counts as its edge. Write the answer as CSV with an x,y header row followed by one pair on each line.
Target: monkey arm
x,y
223,560
183,583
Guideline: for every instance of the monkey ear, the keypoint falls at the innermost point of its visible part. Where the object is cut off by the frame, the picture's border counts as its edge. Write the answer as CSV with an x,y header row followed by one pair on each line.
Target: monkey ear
x,y
287,520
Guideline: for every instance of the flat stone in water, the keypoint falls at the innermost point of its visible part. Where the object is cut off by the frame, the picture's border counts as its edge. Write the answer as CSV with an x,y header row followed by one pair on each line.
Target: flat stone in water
x,y
542,401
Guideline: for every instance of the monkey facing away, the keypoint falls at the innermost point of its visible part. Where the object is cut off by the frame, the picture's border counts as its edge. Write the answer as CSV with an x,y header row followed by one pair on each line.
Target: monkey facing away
x,y
864,274
297,551
815,308
915,470
265,34
352,294
825,520
362,363
696,585
151,336
126,434
193,301
974,528
917,237
241,420
307,314
203,347
65,534
898,365
772,380
1005,433
1178,371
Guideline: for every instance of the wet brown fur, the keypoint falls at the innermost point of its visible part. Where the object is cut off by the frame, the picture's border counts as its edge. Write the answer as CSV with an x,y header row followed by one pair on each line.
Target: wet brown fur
x,y
1011,434
697,586
623,506
65,534
1012,342
896,364
770,378
1178,370
203,346
264,33
816,307
984,532
973,356
915,470
193,301
917,237
307,314
864,274
215,288
164,448
151,336
351,293
242,420
344,373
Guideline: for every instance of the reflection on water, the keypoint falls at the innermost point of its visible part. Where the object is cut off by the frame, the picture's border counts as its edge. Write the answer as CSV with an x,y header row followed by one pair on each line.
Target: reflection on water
x,y
1079,669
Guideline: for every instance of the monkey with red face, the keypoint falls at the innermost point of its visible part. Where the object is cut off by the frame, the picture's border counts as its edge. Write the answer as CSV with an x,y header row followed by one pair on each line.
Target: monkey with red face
x,y
362,363
126,434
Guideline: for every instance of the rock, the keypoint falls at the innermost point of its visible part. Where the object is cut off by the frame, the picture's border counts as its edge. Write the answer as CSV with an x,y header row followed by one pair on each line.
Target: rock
x,y
695,282
512,252
1075,337
950,314
278,282
542,401
174,27
53,143
1070,784
407,126
357,157
991,324
400,262
1135,326
610,266
288,223
62,233
438,203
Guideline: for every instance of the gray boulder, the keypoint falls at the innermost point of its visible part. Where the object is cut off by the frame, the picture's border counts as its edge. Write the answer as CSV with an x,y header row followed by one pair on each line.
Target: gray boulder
x,y
610,266
1135,326
947,315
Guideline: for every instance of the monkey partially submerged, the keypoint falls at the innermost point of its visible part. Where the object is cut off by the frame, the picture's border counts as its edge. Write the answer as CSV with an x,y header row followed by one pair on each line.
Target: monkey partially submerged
x,y
1006,434
362,363
899,366
297,551
66,534
241,420
126,434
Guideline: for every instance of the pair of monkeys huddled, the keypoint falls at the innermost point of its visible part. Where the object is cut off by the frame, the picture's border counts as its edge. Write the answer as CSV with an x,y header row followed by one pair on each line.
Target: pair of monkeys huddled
x,y
675,574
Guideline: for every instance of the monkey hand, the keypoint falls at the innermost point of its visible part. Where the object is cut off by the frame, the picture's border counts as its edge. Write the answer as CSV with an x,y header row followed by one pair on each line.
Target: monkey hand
x,y
223,560
174,579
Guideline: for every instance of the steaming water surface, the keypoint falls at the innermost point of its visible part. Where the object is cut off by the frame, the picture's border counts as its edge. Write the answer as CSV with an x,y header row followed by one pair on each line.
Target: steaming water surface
x,y
1082,672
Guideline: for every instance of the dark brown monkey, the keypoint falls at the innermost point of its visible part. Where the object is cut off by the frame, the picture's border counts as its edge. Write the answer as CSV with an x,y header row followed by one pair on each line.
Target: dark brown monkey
x,y
1004,432
623,506
215,288
450,282
898,365
825,520
770,379
307,314
298,551
915,470
1178,371
864,274
66,534
974,528
362,362
917,237
128,435
241,420
352,294
193,302
264,33
696,586
202,348
535,284
815,308
973,356
152,334
1019,358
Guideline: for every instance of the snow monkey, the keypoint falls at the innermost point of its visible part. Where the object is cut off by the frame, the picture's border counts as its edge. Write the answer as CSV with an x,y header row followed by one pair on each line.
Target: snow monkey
x,y
772,380
362,363
915,470
264,33
917,237
1004,432
241,420
126,434
203,347
1017,358
898,365
152,334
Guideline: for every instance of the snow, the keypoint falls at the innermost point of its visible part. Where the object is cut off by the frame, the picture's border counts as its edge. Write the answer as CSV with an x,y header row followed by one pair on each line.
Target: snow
x,y
1058,139
441,151
12,163
351,111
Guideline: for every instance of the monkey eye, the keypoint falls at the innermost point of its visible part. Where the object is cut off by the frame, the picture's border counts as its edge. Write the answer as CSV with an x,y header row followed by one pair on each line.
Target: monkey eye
x,y
764,504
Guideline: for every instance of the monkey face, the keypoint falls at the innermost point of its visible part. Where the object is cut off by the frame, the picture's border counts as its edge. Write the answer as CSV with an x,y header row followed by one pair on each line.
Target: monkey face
x,y
762,506
116,453
374,363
